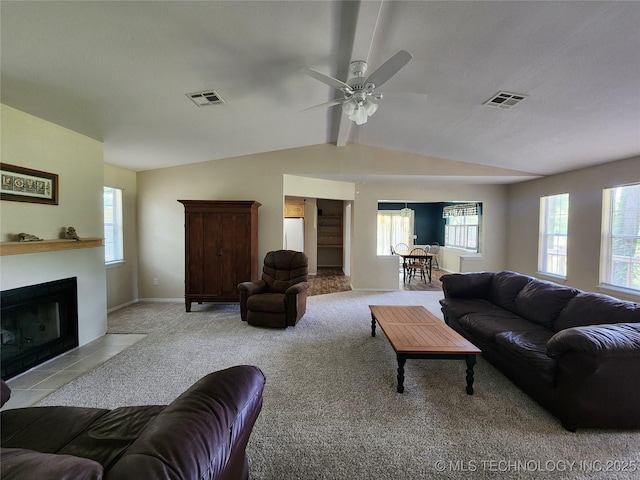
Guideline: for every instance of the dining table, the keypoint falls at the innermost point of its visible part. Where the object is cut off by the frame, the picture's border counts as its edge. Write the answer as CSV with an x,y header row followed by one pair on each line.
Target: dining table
x,y
415,253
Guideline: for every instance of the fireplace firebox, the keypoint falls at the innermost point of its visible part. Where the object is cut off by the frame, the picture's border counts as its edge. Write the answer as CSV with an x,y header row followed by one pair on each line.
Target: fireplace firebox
x,y
39,322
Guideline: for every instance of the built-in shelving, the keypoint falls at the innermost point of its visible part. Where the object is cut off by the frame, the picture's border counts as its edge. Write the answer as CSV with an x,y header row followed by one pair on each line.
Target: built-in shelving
x,y
42,246
330,231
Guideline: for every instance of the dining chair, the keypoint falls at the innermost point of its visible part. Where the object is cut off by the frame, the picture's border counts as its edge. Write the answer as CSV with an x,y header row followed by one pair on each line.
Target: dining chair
x,y
435,249
403,247
417,264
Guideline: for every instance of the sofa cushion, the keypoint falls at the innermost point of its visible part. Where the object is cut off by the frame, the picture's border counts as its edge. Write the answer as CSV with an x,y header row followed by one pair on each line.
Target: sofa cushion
x,y
106,439
466,285
267,302
283,268
505,287
486,325
459,307
39,428
541,302
23,464
531,348
595,308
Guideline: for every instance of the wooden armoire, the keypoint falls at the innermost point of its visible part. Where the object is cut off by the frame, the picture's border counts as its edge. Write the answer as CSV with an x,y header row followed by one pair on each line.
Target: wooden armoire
x,y
221,248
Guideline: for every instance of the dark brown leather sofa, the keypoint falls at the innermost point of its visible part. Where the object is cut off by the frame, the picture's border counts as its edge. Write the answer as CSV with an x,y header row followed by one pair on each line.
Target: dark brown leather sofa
x,y
575,353
200,435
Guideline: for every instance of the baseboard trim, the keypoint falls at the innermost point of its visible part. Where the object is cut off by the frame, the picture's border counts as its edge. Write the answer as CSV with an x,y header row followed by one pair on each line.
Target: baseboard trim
x,y
111,310
162,300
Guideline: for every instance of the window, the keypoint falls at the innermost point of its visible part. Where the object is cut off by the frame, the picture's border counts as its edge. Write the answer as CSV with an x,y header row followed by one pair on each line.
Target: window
x,y
554,220
113,251
620,256
393,228
463,225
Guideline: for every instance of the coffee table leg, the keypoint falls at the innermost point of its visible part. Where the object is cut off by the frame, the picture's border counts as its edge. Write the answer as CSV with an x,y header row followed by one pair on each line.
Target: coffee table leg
x,y
471,361
373,325
401,362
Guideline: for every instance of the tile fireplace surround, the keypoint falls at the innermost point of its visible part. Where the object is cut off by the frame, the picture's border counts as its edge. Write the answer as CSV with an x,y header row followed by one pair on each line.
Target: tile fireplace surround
x,y
39,322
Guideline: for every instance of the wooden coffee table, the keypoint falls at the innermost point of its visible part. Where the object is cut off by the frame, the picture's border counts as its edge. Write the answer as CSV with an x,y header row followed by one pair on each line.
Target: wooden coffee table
x,y
414,332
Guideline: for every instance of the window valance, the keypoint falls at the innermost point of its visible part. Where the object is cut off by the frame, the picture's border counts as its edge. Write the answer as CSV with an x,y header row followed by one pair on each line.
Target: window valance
x,y
460,210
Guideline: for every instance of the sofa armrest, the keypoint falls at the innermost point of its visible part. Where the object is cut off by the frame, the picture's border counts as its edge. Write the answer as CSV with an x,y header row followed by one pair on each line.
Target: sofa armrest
x,y
297,288
597,373
246,289
466,285
201,434
251,288
621,339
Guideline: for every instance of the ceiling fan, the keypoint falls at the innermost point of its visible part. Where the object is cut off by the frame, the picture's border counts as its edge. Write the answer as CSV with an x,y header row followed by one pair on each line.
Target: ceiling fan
x,y
358,92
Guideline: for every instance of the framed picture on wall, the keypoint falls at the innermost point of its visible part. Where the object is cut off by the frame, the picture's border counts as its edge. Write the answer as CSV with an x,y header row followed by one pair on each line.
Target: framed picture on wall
x,y
20,184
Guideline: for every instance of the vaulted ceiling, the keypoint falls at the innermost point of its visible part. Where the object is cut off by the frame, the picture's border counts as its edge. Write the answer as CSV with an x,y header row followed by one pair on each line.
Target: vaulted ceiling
x,y
119,71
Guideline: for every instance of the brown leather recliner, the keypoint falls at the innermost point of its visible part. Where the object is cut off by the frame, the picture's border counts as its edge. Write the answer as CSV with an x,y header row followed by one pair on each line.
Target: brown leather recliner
x,y
279,299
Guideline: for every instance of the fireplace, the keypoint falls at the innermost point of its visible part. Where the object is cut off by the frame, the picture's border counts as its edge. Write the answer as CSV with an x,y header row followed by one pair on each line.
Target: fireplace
x,y
39,322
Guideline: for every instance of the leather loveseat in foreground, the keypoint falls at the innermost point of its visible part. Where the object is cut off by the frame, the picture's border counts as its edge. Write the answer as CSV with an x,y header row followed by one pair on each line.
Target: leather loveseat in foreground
x,y
575,353
200,435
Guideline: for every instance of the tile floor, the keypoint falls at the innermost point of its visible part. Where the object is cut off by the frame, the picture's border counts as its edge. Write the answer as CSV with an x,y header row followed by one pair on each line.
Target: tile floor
x,y
35,384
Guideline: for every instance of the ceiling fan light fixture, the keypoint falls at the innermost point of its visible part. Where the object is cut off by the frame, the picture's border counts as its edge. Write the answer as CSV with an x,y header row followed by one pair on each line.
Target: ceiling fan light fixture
x,y
348,107
370,107
359,115
359,111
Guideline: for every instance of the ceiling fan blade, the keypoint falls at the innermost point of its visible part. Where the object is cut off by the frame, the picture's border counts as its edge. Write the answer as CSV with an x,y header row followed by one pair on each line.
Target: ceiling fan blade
x,y
389,68
324,105
332,82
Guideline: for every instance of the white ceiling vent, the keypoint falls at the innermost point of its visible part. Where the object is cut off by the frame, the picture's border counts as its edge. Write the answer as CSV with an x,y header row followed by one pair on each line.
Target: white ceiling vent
x,y
505,100
206,97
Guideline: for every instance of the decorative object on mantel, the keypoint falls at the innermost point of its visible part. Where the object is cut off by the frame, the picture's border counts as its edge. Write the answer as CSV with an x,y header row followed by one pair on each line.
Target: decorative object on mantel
x,y
71,234
20,184
27,237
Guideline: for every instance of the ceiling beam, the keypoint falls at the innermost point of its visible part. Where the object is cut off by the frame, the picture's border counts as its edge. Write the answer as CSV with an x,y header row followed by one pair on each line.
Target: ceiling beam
x,y
364,32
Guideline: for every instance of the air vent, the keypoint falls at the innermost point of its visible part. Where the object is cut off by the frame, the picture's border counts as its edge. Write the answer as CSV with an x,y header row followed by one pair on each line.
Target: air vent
x,y
207,97
505,100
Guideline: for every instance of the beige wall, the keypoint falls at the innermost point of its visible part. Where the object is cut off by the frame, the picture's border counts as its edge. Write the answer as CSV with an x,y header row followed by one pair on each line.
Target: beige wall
x,y
261,178
122,278
585,188
161,217
30,142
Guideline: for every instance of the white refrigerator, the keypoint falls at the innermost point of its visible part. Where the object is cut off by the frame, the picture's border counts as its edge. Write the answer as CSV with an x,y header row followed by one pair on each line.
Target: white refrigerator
x,y
294,234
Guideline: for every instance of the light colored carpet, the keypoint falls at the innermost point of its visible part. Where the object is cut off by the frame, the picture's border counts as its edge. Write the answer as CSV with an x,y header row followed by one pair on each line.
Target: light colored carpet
x,y
331,410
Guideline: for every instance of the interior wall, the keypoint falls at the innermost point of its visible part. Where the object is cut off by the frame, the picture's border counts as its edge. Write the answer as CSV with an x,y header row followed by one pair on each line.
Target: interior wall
x,y
260,177
428,222
28,141
122,278
585,189
161,217
373,272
